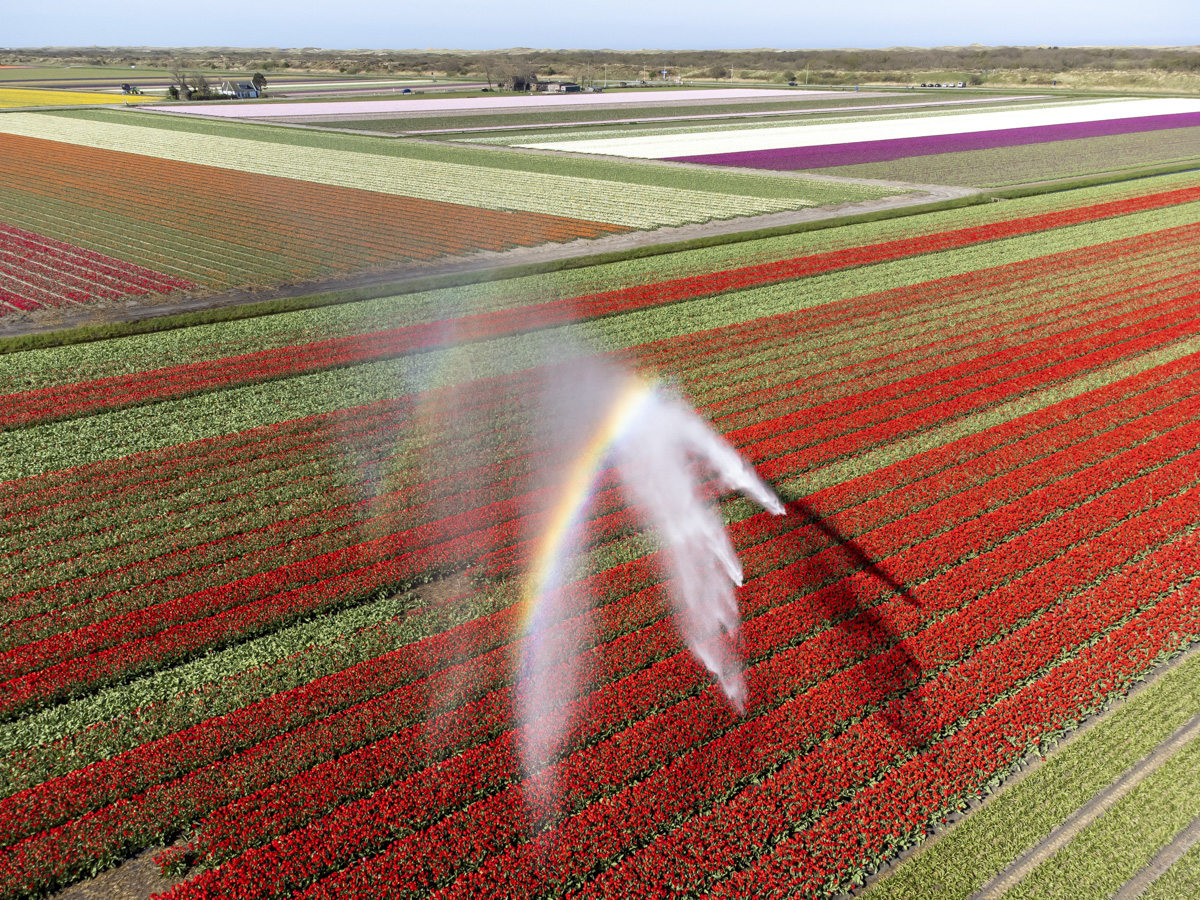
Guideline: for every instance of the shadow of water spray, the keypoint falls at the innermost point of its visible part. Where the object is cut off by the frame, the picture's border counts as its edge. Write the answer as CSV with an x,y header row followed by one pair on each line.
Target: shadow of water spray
x,y
600,417
853,592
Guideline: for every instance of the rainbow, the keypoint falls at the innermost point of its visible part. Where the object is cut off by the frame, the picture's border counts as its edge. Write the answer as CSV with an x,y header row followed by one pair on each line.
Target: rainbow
x,y
549,556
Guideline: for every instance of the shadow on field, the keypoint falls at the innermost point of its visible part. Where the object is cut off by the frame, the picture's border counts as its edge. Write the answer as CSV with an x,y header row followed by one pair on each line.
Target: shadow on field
x,y
830,580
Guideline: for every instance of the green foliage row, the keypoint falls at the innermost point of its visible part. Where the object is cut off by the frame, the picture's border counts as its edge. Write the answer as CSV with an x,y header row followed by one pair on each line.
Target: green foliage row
x,y
1180,882
1125,838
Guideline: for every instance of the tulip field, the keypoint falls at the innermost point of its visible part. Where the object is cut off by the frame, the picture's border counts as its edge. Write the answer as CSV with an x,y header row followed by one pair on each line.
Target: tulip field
x,y
203,227
262,579
176,204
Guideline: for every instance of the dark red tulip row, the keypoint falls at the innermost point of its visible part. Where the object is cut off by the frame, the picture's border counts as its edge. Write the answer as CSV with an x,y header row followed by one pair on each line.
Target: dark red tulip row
x,y
365,823
491,833
822,860
1052,501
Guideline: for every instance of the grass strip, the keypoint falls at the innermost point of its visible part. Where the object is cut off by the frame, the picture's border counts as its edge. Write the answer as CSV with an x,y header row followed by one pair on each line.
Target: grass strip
x,y
985,842
1111,850
1180,882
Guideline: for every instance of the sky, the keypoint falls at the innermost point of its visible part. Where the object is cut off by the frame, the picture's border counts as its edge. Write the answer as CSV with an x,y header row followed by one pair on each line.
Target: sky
x,y
612,24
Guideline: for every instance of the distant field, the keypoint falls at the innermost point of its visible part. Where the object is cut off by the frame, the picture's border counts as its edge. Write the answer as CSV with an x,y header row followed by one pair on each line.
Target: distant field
x,y
1037,162
12,98
727,123
432,173
219,205
476,101
799,146
670,106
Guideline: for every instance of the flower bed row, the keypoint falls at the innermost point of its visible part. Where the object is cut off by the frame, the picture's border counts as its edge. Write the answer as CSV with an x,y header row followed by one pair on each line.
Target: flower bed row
x,y
973,460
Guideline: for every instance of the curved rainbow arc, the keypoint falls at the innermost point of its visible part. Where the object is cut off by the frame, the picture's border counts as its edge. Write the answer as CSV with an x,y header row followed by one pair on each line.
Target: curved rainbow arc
x,y
577,490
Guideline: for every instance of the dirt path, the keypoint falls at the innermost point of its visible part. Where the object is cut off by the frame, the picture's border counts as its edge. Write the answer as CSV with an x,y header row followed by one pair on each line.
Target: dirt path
x,y
1103,801
132,310
1163,860
134,879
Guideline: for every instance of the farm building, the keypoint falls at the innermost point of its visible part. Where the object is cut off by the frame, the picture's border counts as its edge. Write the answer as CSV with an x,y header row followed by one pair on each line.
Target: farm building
x,y
239,90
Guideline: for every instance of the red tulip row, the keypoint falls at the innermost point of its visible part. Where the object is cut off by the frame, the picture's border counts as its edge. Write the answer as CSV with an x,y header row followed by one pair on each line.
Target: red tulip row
x,y
139,470
570,852
826,858
780,391
48,404
1020,556
42,271
758,813
1069,421
60,792
995,375
274,557
63,274
807,457
938,308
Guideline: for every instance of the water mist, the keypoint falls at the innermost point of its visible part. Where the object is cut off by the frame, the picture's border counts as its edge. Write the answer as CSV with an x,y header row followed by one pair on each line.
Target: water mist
x,y
611,427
